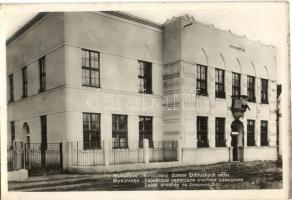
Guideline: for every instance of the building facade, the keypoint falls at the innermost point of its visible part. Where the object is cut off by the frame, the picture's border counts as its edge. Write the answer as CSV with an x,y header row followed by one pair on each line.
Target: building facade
x,y
95,76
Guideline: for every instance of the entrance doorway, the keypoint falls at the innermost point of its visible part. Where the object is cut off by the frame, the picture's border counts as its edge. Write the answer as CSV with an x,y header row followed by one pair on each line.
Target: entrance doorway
x,y
234,139
237,140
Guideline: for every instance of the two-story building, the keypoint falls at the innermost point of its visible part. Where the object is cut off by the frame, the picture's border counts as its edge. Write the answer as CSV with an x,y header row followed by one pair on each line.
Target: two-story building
x,y
95,76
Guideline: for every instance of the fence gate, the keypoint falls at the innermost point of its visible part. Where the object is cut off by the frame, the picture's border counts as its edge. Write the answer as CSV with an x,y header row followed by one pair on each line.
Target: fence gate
x,y
35,156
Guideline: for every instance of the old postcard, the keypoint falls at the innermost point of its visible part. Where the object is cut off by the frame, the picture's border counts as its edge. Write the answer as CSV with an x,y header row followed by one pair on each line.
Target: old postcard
x,y
164,101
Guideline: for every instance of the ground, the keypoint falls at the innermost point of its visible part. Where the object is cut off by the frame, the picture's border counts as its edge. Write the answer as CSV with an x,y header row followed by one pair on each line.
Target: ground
x,y
251,175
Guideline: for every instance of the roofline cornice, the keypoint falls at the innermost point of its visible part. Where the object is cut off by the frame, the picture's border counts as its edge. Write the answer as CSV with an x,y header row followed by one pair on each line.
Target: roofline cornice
x,y
27,26
126,16
134,19
41,15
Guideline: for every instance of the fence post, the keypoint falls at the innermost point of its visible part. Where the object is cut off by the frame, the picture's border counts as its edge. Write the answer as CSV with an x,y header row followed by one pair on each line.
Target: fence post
x,y
61,155
106,152
179,150
146,150
13,155
43,154
66,154
230,154
77,150
24,154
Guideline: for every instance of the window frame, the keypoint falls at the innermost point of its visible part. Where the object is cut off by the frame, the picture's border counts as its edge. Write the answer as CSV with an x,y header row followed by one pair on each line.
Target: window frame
x,y
264,133
42,74
145,77
264,91
91,132
219,93
251,89
12,131
24,82
202,134
202,79
118,133
90,68
44,135
143,133
235,87
250,132
220,140
11,87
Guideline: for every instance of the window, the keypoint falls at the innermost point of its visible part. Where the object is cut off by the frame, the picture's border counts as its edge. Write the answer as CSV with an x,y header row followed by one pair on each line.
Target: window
x,y
42,70
220,132
264,91
120,131
202,132
145,130
145,77
250,132
279,90
90,68
11,88
91,131
44,132
235,84
264,133
202,80
12,130
251,89
219,83
24,82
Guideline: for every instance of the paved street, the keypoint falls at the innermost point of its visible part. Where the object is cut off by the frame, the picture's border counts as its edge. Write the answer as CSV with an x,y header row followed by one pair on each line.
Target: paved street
x,y
252,175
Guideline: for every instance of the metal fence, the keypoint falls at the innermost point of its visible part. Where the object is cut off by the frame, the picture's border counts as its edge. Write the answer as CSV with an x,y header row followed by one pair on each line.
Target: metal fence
x,y
34,156
81,155
43,155
131,153
163,151
15,156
